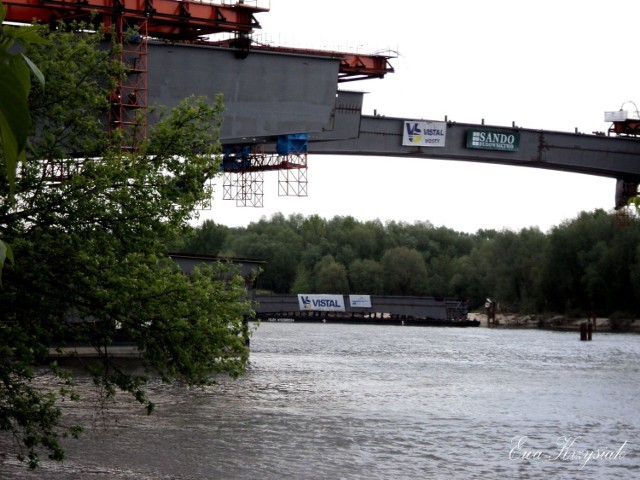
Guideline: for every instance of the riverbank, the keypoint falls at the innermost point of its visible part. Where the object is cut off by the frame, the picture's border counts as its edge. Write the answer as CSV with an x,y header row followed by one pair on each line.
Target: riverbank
x,y
557,322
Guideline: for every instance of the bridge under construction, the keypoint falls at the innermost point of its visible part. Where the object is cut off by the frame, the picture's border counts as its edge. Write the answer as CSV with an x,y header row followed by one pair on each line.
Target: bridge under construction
x,y
283,104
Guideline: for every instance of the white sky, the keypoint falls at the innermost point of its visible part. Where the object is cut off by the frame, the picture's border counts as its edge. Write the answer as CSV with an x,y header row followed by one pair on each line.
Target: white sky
x,y
553,65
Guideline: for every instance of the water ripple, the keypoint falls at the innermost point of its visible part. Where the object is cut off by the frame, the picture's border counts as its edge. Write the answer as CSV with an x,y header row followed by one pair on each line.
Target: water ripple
x,y
372,402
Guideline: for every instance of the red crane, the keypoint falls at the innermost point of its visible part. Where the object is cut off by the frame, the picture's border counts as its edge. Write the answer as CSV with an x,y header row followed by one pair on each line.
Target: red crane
x,y
182,20
171,19
133,22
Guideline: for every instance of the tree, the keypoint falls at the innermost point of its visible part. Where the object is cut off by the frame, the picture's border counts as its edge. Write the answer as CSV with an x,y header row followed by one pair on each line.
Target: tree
x,y
574,248
366,277
276,243
367,240
404,272
338,235
302,282
91,263
207,239
330,276
513,264
470,278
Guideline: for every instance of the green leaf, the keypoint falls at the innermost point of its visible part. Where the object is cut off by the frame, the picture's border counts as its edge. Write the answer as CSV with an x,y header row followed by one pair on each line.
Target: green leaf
x,y
5,254
25,35
14,119
20,69
34,68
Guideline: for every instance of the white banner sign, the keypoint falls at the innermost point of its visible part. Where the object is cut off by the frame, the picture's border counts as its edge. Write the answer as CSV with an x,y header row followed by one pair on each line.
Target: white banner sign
x,y
424,133
324,303
360,301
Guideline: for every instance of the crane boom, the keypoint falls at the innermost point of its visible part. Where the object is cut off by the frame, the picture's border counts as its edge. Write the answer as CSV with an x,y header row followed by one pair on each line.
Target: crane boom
x,y
170,19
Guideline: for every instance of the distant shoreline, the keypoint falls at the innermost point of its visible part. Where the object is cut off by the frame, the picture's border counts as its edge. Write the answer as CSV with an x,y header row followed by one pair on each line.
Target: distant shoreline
x,y
558,323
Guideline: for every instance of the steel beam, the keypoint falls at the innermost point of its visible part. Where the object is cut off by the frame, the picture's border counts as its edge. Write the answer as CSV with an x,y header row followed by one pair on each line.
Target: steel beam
x,y
265,94
615,157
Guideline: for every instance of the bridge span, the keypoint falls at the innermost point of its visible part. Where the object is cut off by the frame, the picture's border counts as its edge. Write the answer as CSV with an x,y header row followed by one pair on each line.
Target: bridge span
x,y
615,157
271,93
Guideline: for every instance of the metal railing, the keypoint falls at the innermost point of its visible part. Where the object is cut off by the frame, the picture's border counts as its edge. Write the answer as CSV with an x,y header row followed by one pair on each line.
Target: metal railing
x,y
261,4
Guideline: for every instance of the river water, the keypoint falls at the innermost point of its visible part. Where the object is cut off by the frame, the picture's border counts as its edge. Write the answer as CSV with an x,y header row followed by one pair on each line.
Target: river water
x,y
330,401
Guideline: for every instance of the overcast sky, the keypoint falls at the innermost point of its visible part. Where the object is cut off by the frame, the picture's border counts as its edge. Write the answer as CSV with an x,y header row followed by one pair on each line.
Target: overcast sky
x,y
553,65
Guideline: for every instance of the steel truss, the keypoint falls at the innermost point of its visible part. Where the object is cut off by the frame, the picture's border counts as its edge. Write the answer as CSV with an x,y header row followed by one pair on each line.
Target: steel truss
x,y
56,172
246,188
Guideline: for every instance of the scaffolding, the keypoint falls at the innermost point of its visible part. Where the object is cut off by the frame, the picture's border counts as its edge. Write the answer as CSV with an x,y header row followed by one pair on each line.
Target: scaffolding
x,y
128,112
244,166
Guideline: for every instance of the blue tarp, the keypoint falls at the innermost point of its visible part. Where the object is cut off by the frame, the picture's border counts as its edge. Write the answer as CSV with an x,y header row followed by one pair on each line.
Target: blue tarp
x,y
236,158
296,143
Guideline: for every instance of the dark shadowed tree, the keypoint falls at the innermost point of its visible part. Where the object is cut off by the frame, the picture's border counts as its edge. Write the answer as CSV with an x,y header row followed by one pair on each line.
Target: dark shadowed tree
x,y
404,272
367,240
91,261
513,263
302,282
206,239
330,276
573,248
469,280
366,277
274,241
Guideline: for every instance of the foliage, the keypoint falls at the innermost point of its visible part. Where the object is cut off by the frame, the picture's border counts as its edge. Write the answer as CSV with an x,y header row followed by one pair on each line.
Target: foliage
x,y
275,242
302,282
330,276
404,271
91,263
210,240
513,263
366,277
571,260
587,265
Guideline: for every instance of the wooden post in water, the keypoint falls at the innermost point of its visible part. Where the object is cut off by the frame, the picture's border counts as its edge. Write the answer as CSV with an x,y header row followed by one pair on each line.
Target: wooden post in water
x,y
586,330
583,331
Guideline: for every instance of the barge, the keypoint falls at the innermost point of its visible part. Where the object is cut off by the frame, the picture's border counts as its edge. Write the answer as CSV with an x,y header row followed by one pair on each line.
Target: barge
x,y
363,309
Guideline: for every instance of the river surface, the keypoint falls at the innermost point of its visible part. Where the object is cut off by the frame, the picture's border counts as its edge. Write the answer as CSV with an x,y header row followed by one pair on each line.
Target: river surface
x,y
334,401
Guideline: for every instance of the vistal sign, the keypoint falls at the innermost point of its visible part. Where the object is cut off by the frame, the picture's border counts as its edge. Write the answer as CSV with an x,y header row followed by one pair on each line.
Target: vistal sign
x,y
424,133
323,303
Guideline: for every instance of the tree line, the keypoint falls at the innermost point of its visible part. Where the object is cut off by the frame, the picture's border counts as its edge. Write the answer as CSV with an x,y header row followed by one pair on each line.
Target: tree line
x,y
584,266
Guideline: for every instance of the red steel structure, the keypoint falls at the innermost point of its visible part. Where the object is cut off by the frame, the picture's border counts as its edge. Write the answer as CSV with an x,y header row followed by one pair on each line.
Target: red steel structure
x,y
133,22
171,19
183,20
